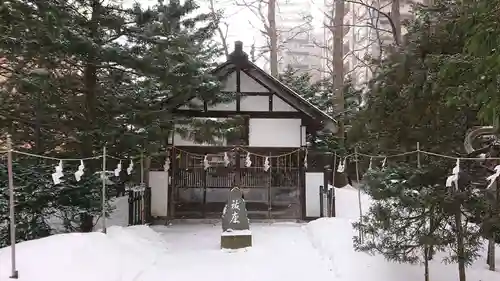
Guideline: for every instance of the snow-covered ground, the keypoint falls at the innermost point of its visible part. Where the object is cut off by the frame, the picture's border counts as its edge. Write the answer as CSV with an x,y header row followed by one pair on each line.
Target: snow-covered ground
x,y
333,239
320,250
281,251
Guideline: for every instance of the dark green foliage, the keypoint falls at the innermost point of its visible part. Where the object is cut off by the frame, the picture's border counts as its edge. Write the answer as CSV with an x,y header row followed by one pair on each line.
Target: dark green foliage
x,y
413,210
99,87
407,103
432,90
483,208
35,195
321,95
80,199
466,57
112,76
43,208
397,224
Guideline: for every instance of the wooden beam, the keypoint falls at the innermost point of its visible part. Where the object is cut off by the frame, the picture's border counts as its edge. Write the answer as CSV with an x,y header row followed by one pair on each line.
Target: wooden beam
x,y
238,90
251,114
256,93
202,149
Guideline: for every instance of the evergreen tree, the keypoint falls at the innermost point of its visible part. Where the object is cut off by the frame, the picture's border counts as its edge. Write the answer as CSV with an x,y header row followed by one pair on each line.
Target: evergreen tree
x,y
397,224
414,214
34,195
423,93
111,76
129,86
321,94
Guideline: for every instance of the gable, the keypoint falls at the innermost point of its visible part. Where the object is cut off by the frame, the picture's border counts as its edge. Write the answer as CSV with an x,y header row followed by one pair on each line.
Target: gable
x,y
247,84
286,94
229,82
250,85
256,86
281,105
256,95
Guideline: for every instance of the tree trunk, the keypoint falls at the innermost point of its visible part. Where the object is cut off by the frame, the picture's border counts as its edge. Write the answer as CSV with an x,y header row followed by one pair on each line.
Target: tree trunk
x,y
396,18
252,53
38,124
338,78
427,251
338,66
460,243
222,36
90,88
86,223
491,253
273,37
491,241
432,222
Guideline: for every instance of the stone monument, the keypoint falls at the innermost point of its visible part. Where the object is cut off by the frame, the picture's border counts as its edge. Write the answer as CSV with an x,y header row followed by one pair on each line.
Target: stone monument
x,y
236,232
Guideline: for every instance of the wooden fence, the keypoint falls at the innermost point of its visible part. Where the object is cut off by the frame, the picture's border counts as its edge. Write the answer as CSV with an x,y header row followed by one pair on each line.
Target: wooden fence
x,y
139,206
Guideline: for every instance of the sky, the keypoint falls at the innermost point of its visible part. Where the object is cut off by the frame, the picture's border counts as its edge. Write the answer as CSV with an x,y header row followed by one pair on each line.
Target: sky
x,y
243,24
240,19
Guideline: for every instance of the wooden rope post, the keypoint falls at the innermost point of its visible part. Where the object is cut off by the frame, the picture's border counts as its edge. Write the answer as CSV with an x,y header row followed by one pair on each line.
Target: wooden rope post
x,y
142,189
356,155
418,155
334,169
103,178
12,214
142,169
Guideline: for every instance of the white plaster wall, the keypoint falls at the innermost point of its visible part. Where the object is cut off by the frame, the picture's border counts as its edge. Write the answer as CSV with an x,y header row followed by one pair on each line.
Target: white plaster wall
x,y
229,84
281,105
158,181
249,85
313,207
275,132
254,103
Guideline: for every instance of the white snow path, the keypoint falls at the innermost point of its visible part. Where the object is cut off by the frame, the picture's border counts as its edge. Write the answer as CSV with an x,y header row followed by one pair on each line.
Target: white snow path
x,y
281,251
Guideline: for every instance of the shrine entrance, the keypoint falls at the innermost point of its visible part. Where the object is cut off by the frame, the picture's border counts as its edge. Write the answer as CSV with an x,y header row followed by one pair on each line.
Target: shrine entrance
x,y
270,179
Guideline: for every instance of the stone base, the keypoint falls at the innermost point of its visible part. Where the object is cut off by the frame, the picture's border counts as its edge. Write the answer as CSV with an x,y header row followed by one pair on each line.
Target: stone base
x,y
228,241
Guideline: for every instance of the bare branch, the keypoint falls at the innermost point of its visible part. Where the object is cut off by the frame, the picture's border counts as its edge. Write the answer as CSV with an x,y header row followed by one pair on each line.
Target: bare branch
x,y
222,35
380,12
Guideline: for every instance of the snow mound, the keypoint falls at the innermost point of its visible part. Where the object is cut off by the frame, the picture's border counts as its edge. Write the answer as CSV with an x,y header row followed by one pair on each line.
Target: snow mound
x,y
119,216
332,237
346,202
120,254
